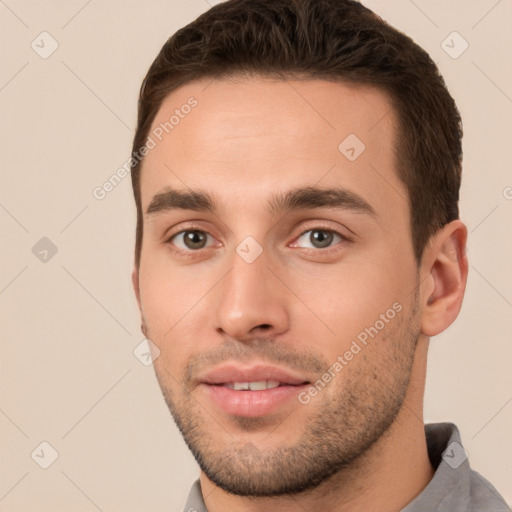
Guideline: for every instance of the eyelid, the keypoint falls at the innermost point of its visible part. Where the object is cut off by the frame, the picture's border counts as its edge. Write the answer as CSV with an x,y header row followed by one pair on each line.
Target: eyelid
x,y
189,225
183,227
334,246
171,240
322,225
314,225
211,243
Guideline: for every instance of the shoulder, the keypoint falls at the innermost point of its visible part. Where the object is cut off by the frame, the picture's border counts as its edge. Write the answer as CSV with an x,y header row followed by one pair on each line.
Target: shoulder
x,y
484,497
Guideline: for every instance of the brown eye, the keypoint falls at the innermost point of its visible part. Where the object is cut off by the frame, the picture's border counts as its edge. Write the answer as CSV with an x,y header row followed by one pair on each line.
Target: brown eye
x,y
318,238
321,238
190,240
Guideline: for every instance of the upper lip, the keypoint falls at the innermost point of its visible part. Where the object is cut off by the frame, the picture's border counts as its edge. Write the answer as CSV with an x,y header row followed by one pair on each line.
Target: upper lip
x,y
230,372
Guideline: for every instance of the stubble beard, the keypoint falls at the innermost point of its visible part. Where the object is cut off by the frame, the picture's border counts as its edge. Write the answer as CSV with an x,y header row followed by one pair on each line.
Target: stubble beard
x,y
344,425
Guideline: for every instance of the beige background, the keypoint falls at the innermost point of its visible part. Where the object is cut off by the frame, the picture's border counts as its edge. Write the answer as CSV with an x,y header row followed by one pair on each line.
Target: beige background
x,y
69,325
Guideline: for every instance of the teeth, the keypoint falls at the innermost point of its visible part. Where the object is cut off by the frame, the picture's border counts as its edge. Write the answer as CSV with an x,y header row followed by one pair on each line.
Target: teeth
x,y
253,386
258,386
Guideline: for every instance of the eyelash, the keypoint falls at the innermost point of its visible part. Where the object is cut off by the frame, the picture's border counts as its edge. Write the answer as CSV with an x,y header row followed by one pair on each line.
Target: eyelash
x,y
192,252
325,230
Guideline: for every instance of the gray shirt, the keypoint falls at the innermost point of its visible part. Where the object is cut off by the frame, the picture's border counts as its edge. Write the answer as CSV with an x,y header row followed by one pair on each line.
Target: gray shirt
x,y
455,487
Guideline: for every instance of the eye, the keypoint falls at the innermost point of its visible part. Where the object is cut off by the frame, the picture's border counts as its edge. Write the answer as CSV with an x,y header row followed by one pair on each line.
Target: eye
x,y
190,240
318,238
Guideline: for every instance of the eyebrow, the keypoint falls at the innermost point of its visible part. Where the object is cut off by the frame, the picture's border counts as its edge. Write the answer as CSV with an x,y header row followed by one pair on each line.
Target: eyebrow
x,y
304,198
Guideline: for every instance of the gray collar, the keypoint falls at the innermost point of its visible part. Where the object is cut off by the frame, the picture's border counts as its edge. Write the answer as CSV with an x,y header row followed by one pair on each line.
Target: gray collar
x,y
455,487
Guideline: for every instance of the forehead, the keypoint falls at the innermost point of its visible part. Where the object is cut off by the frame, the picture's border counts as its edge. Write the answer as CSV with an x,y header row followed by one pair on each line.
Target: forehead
x,y
259,134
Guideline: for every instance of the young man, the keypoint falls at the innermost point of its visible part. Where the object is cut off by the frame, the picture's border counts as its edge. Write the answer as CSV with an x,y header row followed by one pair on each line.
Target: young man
x,y
297,166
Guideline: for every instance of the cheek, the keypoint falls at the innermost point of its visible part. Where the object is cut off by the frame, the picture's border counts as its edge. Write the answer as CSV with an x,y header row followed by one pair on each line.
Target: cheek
x,y
164,310
346,300
172,303
165,298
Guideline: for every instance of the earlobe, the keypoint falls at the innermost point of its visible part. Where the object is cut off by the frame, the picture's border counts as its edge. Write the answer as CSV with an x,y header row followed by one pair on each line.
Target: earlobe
x,y
444,275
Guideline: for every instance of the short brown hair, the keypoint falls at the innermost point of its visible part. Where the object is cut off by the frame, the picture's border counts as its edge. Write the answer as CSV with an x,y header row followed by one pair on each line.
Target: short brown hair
x,y
335,40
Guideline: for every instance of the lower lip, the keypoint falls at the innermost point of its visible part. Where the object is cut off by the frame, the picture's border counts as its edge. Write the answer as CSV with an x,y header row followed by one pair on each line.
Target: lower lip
x,y
252,404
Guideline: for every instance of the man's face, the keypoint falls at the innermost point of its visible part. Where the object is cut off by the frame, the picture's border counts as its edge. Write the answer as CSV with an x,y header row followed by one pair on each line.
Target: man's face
x,y
278,282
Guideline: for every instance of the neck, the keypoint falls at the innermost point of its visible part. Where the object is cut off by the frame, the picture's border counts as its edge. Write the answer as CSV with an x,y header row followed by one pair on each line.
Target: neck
x,y
386,478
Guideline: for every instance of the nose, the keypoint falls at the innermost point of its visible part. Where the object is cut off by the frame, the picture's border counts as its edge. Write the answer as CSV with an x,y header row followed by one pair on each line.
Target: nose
x,y
251,301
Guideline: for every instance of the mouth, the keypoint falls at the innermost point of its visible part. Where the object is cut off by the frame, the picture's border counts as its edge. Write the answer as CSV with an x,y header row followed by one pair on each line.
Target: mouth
x,y
258,385
252,391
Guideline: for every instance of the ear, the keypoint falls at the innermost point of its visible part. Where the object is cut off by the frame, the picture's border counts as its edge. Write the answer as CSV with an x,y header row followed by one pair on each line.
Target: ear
x,y
444,272
135,283
136,289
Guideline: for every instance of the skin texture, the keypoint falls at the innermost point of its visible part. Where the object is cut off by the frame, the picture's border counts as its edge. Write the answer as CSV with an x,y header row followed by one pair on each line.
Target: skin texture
x,y
296,305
